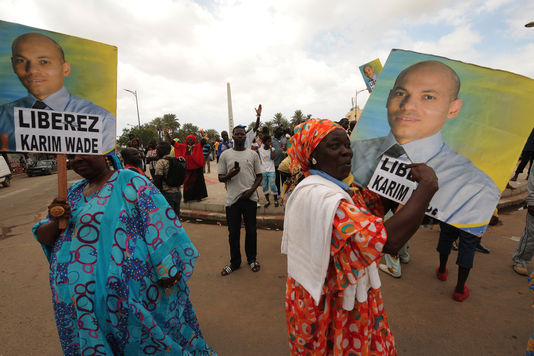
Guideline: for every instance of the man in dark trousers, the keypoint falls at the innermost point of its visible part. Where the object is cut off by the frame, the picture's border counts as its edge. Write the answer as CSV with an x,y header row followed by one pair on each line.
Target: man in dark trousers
x,y
240,169
527,155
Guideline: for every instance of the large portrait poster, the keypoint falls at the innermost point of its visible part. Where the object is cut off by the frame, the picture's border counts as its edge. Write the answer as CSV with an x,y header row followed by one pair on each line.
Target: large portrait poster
x,y
467,122
370,72
57,92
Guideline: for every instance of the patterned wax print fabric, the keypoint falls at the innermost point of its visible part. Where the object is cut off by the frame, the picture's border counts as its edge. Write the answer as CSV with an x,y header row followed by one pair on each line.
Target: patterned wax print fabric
x,y
327,328
104,270
530,345
306,137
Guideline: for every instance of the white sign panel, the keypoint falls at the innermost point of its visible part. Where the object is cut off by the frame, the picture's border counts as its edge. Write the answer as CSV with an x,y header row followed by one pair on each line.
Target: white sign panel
x,y
392,179
57,132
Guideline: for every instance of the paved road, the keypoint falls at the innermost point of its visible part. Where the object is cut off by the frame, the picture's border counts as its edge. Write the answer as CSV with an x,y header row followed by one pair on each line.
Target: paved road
x,y
242,314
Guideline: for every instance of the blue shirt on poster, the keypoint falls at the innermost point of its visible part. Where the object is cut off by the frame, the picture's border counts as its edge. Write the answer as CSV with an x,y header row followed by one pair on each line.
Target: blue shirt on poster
x,y
466,197
61,100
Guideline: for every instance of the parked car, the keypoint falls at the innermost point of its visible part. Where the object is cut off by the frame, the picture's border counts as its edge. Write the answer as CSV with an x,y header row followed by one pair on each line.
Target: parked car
x,y
41,168
5,173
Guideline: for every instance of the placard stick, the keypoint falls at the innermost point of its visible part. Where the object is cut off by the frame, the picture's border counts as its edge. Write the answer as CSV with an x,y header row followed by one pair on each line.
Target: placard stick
x,y
62,184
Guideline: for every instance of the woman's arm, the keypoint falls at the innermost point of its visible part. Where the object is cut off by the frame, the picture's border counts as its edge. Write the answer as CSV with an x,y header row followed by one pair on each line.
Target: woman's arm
x,y
48,232
401,226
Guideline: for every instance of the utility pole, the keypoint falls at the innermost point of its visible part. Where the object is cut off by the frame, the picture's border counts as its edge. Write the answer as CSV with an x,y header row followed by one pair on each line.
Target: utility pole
x,y
134,92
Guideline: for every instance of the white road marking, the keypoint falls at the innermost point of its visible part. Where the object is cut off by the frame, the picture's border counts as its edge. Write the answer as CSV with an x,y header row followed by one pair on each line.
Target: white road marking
x,y
13,192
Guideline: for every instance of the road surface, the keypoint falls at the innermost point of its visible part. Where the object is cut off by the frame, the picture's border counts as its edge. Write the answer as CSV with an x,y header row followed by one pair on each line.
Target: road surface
x,y
243,314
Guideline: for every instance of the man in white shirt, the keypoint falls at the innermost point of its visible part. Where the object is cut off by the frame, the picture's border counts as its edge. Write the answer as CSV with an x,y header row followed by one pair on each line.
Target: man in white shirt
x,y
240,168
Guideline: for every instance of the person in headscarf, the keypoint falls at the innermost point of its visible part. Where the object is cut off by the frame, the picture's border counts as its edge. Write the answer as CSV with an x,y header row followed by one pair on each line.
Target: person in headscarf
x,y
119,270
194,184
334,235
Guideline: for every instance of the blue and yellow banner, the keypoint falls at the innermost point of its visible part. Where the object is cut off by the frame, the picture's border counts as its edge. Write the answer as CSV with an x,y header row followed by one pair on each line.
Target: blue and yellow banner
x,y
476,139
65,74
370,72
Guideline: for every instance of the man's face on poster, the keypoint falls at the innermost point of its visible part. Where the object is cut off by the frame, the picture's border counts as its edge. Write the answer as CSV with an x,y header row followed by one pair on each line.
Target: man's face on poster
x,y
39,64
369,71
421,101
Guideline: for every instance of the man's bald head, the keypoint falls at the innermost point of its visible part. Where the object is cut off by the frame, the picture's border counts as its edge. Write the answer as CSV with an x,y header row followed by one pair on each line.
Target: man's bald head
x,y
39,37
40,64
424,97
434,66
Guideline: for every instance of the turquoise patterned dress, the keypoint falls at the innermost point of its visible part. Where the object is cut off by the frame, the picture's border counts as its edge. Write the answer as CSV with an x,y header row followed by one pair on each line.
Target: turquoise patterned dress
x,y
104,270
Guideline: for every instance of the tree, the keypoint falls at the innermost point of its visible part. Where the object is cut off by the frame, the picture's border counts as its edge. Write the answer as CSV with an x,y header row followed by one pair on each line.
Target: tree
x,y
185,130
170,122
213,135
269,125
145,135
280,121
297,118
158,125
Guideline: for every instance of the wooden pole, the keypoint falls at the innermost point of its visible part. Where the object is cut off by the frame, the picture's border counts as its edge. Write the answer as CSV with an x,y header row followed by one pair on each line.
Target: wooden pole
x,y
62,184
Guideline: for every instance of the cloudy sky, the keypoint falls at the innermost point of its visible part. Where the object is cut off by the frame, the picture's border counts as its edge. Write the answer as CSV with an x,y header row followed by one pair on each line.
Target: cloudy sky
x,y
285,54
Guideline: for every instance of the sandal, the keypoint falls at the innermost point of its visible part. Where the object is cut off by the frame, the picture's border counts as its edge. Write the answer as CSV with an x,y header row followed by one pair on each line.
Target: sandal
x,y
254,266
227,270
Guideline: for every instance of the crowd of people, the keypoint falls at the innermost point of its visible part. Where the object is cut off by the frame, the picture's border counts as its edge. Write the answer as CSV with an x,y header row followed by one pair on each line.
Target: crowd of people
x,y
335,234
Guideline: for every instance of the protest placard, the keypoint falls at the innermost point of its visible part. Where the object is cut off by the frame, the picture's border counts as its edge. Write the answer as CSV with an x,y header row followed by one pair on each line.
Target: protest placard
x,y
456,118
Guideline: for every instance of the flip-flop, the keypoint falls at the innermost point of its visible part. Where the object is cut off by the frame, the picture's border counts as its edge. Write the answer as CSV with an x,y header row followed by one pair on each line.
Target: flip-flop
x,y
254,266
227,270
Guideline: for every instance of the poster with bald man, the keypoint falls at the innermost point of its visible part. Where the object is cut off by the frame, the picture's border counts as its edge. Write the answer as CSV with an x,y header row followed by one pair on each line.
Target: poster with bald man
x,y
57,92
469,123
370,72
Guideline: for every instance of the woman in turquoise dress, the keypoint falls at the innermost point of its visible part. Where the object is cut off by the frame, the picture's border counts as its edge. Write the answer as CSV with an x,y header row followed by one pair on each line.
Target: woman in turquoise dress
x,y
118,271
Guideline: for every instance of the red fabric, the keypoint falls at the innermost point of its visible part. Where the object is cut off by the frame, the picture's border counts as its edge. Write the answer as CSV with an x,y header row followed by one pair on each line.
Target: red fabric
x,y
137,169
195,158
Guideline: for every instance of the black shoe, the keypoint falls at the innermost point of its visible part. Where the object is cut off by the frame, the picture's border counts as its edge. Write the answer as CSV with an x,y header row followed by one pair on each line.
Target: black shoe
x,y
455,245
482,249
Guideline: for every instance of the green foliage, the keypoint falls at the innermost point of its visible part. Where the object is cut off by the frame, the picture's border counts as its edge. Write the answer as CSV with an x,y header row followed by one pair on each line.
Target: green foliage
x,y
145,135
280,121
212,134
185,130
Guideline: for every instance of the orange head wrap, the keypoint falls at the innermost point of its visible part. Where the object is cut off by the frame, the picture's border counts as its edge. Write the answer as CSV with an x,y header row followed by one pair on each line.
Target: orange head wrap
x,y
305,138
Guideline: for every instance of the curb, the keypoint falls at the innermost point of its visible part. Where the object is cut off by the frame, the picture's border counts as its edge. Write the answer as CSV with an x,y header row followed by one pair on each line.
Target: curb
x,y
277,221
200,216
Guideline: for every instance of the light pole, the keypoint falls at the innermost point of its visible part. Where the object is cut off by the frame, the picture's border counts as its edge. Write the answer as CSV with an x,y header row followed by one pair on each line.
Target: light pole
x,y
134,92
356,103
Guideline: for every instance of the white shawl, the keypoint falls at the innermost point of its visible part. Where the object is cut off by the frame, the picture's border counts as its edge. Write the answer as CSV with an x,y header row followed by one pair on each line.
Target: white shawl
x,y
307,237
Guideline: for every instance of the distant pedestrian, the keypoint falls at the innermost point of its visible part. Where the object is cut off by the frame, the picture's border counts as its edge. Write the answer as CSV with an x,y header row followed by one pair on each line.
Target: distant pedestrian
x,y
223,145
206,150
151,157
525,249
132,159
266,153
134,142
240,169
279,145
171,194
194,185
251,134
527,156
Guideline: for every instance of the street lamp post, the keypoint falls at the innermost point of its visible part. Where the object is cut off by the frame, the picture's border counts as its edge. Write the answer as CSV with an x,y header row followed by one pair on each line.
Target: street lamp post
x,y
134,92
356,102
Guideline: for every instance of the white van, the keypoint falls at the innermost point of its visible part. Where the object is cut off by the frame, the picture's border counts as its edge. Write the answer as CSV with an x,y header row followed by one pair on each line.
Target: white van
x,y
5,173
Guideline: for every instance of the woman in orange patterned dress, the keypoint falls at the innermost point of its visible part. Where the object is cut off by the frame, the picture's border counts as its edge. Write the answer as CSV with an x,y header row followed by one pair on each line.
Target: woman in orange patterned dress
x,y
333,237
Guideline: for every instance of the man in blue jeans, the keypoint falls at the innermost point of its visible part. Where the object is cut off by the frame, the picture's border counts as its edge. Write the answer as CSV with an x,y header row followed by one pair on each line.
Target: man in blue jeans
x,y
240,169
